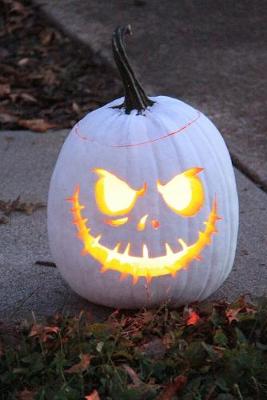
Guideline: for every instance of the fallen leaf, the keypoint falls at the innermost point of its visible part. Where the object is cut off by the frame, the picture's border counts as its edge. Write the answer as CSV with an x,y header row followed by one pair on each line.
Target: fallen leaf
x,y
28,98
173,388
76,107
93,396
4,220
23,61
193,318
37,125
47,37
10,206
232,314
19,8
6,117
44,333
4,89
49,77
26,394
133,375
81,366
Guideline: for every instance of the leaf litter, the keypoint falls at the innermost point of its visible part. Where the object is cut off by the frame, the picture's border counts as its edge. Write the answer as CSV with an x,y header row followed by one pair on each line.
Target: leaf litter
x,y
210,357
46,80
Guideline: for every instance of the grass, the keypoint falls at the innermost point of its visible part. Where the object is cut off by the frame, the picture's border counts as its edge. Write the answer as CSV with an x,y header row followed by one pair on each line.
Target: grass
x,y
210,350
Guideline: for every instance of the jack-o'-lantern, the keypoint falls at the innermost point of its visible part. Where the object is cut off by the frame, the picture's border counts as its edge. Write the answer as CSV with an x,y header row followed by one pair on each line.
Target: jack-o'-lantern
x,y
142,204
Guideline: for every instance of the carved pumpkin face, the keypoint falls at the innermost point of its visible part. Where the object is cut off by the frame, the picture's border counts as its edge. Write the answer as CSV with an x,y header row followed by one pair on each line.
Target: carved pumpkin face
x,y
145,179
183,194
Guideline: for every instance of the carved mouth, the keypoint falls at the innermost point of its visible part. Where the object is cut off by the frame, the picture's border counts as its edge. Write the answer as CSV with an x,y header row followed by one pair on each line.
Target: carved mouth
x,y
145,266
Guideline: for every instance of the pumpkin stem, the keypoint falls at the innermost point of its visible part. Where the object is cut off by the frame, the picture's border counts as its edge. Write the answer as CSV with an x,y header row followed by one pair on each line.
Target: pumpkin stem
x,y
135,97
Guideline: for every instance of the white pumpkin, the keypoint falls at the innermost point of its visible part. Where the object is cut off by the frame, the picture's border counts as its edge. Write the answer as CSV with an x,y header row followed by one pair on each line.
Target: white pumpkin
x,y
143,206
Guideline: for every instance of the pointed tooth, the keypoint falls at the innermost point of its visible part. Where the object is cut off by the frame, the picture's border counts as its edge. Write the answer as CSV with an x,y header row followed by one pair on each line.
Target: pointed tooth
x,y
148,278
173,272
95,241
116,248
79,235
123,276
135,279
126,251
201,235
104,269
145,251
84,251
169,251
183,244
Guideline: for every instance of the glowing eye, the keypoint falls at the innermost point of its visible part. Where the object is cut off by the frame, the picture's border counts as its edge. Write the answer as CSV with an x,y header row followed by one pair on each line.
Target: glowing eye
x,y
113,195
184,194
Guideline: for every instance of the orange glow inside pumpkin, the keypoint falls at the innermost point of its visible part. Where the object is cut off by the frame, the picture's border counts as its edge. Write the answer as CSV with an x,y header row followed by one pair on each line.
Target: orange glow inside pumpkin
x,y
144,266
184,193
113,195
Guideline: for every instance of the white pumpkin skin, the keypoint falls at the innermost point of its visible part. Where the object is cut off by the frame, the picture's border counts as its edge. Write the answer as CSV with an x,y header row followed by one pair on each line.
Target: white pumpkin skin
x,y
143,149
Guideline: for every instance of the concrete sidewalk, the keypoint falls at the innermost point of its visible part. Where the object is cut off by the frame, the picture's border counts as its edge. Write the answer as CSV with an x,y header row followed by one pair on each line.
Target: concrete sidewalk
x,y
27,160
212,56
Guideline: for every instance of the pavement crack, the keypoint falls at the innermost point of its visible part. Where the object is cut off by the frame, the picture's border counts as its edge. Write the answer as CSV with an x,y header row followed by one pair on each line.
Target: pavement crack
x,y
250,174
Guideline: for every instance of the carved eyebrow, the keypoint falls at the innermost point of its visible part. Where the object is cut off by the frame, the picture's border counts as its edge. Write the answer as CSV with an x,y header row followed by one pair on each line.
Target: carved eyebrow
x,y
105,174
188,173
102,173
192,171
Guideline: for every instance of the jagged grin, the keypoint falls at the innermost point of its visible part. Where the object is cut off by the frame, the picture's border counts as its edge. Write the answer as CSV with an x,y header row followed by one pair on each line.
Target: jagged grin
x,y
145,266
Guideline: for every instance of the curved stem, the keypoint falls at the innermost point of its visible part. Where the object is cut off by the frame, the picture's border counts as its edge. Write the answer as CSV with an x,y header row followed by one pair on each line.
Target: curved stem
x,y
135,97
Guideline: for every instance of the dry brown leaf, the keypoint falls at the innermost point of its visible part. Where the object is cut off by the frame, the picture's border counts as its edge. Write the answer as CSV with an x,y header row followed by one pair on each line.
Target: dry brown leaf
x,y
232,314
28,98
26,394
76,107
19,8
43,332
23,61
93,396
173,388
37,124
49,77
133,375
10,206
4,89
6,117
80,366
47,37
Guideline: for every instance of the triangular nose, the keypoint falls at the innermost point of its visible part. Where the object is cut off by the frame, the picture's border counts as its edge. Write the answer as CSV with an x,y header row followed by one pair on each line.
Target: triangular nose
x,y
155,223
143,220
